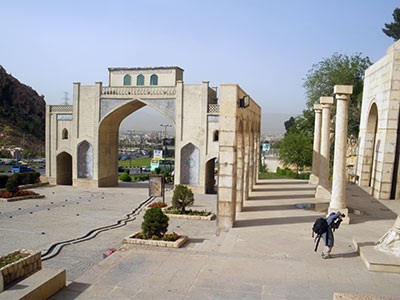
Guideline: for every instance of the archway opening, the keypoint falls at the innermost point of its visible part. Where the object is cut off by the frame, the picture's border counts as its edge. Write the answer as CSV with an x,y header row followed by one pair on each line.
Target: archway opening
x,y
370,148
64,169
211,176
124,138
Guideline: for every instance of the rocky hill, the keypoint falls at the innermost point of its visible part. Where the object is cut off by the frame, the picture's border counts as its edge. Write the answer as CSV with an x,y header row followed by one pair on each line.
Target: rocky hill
x,y
22,114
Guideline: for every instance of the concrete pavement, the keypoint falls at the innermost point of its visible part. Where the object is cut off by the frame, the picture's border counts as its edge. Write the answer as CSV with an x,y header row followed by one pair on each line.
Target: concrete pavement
x,y
269,254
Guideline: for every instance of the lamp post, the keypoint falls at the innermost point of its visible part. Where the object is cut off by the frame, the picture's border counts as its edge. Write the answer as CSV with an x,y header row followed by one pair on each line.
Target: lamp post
x,y
165,133
130,152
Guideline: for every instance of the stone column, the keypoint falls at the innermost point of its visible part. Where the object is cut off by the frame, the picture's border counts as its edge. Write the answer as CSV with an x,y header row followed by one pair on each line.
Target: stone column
x,y
239,171
314,178
251,161
323,188
338,199
246,166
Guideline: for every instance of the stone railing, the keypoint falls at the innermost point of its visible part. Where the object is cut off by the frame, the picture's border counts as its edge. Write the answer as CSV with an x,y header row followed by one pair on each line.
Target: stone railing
x,y
138,91
61,108
213,108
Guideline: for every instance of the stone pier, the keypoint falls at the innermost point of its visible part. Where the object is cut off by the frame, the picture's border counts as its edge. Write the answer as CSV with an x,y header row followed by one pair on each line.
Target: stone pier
x,y
338,199
314,177
323,188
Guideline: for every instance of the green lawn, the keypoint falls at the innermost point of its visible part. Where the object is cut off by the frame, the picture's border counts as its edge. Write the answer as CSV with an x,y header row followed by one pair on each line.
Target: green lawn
x,y
268,175
141,162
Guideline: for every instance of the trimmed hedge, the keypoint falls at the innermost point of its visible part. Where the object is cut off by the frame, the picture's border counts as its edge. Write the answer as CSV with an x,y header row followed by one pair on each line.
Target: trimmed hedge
x,y
3,181
20,178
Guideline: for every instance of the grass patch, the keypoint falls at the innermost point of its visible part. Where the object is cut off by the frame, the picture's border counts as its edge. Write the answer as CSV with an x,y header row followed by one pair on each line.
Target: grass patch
x,y
283,174
141,162
5,170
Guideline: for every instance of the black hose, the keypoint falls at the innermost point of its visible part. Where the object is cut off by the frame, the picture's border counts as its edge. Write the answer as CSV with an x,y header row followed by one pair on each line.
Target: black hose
x,y
94,232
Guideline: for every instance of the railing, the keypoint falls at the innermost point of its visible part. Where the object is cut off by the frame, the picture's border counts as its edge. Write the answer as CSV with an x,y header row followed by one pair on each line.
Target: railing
x,y
61,108
138,91
213,108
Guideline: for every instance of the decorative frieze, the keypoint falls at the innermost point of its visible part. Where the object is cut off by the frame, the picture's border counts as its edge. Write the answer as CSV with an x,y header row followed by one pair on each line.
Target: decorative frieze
x,y
138,91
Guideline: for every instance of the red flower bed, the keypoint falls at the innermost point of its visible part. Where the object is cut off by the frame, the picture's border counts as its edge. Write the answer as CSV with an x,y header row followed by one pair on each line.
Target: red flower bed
x,y
159,203
16,194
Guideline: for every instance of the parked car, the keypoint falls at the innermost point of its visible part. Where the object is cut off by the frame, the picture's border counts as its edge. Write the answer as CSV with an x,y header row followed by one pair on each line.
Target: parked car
x,y
121,169
22,168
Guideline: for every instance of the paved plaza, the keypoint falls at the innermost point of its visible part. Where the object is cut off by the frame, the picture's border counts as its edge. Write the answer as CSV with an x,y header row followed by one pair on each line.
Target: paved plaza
x,y
269,254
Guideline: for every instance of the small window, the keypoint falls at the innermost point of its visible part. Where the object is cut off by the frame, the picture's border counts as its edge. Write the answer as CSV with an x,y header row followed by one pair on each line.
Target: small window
x,y
65,134
215,136
127,80
140,80
154,79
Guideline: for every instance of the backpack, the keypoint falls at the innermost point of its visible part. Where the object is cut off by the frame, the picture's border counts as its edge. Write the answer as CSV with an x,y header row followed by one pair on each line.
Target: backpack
x,y
320,226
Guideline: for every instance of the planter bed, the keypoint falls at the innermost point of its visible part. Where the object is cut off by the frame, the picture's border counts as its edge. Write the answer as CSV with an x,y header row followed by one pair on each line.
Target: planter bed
x,y
162,208
29,186
210,217
23,267
21,198
159,243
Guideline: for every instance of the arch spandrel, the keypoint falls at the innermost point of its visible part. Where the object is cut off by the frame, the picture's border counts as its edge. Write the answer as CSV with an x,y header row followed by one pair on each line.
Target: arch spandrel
x,y
164,106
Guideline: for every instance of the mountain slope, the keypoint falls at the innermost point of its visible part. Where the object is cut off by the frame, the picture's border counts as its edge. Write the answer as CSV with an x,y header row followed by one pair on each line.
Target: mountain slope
x,y
22,114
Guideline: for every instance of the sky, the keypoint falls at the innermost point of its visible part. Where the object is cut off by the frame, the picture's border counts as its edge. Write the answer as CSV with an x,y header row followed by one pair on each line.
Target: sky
x,y
266,47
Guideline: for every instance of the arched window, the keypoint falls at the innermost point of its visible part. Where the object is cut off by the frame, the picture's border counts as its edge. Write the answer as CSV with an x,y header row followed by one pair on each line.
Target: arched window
x,y
216,136
140,80
127,80
154,79
65,134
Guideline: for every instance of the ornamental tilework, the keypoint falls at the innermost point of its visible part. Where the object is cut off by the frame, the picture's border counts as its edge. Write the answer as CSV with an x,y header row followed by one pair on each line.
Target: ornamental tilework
x,y
190,164
85,160
107,105
167,106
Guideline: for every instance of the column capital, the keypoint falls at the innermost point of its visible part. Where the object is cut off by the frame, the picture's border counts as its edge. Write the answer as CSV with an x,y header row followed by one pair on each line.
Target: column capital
x,y
326,100
343,90
317,107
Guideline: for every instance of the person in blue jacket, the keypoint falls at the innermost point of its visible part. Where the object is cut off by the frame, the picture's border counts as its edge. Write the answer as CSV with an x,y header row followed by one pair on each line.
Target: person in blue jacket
x,y
333,220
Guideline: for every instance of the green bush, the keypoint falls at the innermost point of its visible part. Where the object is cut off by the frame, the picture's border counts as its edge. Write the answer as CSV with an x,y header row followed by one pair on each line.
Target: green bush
x,y
157,170
12,185
125,177
3,181
155,223
182,197
126,171
27,177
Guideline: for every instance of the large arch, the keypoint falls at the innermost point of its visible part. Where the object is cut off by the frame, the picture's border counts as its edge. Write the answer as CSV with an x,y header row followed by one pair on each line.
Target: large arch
x,y
190,165
369,155
210,181
64,169
108,140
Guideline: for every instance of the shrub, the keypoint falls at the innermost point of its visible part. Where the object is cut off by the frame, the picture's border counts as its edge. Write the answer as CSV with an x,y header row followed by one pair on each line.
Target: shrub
x,y
12,185
125,177
157,170
155,223
182,197
3,181
126,171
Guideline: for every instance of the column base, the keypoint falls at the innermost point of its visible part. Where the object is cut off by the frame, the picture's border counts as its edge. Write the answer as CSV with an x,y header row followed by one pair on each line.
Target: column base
x,y
322,193
346,219
313,179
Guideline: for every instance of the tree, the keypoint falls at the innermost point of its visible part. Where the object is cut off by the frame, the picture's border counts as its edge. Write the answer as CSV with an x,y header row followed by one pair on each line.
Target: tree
x,y
182,197
155,222
338,69
393,29
296,149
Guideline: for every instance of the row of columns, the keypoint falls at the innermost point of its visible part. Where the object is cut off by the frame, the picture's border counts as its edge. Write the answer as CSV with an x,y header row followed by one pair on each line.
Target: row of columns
x,y
321,148
248,152
239,177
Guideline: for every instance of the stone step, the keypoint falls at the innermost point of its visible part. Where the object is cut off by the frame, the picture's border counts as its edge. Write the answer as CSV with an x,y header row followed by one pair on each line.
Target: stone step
x,y
38,286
